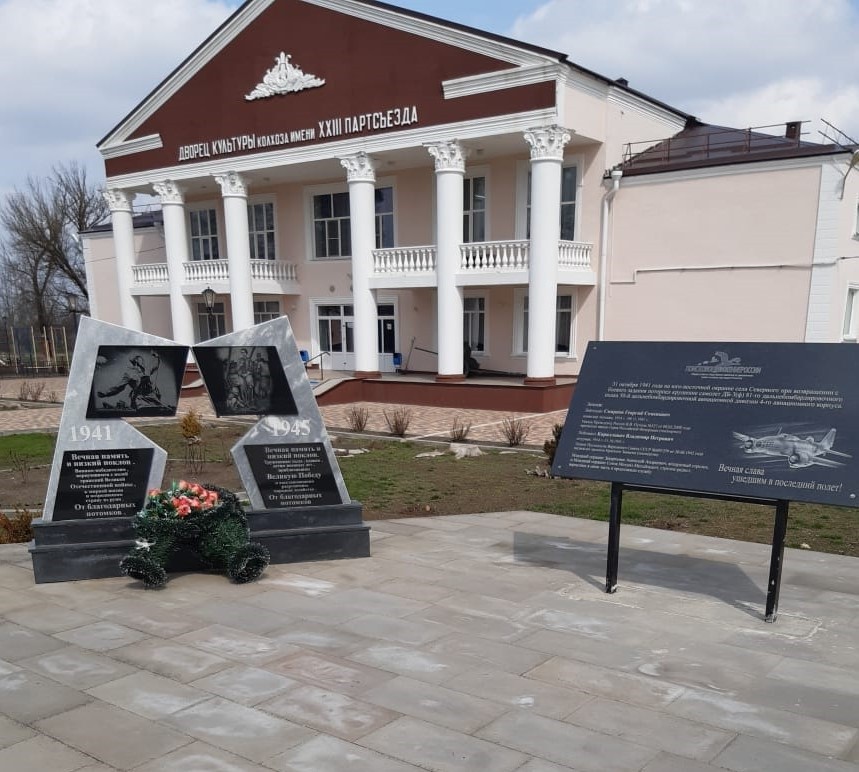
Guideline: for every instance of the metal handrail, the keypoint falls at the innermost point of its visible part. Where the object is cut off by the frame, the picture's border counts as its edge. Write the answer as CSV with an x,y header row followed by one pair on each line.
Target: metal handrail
x,y
319,357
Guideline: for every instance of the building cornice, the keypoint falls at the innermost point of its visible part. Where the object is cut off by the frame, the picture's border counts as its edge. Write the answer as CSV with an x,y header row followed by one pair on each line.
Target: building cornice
x,y
644,107
753,167
131,146
496,81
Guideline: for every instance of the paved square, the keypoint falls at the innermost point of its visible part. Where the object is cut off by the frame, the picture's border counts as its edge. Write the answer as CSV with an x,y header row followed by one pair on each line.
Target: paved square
x,y
478,643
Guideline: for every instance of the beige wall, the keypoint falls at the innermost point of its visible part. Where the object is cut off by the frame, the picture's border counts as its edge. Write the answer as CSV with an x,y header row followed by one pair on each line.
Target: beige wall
x,y
721,256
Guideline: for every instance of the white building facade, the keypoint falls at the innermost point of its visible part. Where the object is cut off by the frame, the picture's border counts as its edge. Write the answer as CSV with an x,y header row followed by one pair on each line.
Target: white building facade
x,y
402,188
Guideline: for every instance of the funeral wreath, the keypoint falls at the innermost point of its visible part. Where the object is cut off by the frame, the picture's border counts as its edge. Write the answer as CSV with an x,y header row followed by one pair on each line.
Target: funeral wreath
x,y
208,520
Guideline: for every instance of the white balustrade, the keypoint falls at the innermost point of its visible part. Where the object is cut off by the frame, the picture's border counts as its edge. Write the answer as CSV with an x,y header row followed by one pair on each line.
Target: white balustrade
x,y
275,270
401,260
149,274
207,271
495,256
574,254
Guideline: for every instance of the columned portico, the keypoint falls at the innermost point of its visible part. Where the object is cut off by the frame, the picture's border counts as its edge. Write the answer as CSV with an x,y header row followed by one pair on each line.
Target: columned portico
x,y
123,239
235,194
450,172
547,156
176,247
361,176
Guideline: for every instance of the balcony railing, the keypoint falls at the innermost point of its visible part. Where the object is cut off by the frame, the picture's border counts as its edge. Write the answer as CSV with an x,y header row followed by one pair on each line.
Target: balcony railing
x,y
574,254
199,271
207,270
484,257
494,256
399,260
274,270
150,274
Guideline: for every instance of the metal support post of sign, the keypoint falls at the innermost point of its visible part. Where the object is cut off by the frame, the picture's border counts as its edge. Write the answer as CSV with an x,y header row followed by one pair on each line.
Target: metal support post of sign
x,y
777,559
781,510
613,537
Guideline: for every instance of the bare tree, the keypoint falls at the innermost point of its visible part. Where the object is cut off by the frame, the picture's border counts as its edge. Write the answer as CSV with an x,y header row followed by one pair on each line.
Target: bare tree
x,y
41,244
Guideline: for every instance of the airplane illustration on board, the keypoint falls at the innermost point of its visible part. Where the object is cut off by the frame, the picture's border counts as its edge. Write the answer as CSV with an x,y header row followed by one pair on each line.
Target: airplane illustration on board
x,y
798,452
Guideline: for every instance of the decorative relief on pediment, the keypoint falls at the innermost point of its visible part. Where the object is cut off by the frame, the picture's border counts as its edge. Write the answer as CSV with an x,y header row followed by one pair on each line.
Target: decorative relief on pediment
x,y
283,78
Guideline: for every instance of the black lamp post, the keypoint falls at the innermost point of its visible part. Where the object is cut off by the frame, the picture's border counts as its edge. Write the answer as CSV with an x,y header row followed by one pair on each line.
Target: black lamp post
x,y
209,301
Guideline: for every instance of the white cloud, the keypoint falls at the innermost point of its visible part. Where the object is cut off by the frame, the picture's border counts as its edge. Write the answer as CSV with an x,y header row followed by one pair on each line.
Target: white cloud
x,y
734,62
71,69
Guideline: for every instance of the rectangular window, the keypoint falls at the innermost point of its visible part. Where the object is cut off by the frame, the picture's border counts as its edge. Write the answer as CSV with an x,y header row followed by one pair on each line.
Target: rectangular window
x,y
261,231
564,318
211,325
332,235
266,310
204,235
474,323
474,209
569,178
384,218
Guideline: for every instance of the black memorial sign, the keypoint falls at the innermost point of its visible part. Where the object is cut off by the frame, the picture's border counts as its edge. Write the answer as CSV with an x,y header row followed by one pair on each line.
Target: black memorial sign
x,y
767,420
102,483
293,475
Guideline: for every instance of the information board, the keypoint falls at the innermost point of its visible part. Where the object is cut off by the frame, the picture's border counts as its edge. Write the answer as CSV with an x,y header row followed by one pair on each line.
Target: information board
x,y
767,420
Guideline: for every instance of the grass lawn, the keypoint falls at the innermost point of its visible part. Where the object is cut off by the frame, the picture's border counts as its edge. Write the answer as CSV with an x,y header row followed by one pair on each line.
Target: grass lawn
x,y
391,481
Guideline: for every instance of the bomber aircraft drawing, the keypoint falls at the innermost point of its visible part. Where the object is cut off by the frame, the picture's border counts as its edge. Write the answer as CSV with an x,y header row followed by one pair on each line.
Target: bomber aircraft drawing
x,y
798,452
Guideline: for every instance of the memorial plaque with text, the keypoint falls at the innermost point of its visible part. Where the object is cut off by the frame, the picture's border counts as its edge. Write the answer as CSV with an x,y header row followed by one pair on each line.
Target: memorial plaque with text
x,y
769,420
293,475
95,483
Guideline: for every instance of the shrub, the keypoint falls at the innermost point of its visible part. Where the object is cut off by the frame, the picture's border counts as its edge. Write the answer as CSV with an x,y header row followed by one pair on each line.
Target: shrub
x,y
358,416
514,430
398,421
550,446
16,529
459,430
191,426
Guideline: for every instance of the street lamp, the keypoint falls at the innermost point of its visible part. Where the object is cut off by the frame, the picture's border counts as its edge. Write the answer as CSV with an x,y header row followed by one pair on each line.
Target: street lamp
x,y
209,301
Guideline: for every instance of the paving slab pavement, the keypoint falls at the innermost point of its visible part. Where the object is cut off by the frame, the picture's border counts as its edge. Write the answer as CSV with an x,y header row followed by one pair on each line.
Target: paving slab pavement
x,y
465,643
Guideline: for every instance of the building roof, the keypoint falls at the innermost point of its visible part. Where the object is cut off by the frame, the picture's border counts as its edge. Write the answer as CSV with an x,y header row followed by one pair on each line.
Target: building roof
x,y
701,145
149,219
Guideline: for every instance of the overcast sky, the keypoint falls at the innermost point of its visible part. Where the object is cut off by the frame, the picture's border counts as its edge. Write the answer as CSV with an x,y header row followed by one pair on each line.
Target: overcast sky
x,y
71,69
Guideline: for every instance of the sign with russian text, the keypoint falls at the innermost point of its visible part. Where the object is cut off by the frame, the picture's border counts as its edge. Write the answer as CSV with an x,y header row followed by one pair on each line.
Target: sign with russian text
x,y
767,420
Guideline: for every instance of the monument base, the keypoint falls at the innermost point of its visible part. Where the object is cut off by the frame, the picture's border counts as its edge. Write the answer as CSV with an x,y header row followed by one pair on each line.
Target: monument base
x,y
70,550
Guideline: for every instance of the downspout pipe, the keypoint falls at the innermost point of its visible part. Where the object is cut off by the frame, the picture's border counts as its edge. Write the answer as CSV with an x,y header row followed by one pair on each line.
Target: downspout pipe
x,y
616,174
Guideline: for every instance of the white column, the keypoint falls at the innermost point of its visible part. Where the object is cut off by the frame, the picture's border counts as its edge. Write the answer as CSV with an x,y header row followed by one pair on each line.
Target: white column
x,y
176,246
362,220
123,243
547,156
449,175
235,194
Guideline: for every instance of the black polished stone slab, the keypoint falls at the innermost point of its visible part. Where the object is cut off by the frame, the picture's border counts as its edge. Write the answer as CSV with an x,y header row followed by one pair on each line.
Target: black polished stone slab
x,y
291,475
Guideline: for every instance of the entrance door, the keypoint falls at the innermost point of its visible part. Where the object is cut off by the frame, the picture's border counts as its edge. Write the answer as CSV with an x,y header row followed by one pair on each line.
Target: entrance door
x,y
336,327
387,336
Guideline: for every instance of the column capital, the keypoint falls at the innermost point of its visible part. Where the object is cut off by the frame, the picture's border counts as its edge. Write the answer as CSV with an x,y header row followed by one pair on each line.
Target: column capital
x,y
118,200
449,156
547,142
359,168
232,185
169,192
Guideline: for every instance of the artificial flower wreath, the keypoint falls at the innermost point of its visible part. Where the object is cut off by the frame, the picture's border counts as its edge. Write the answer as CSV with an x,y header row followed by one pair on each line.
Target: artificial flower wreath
x,y
209,520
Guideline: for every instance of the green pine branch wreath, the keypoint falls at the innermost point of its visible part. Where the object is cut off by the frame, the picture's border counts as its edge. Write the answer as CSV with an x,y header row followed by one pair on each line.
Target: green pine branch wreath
x,y
207,519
